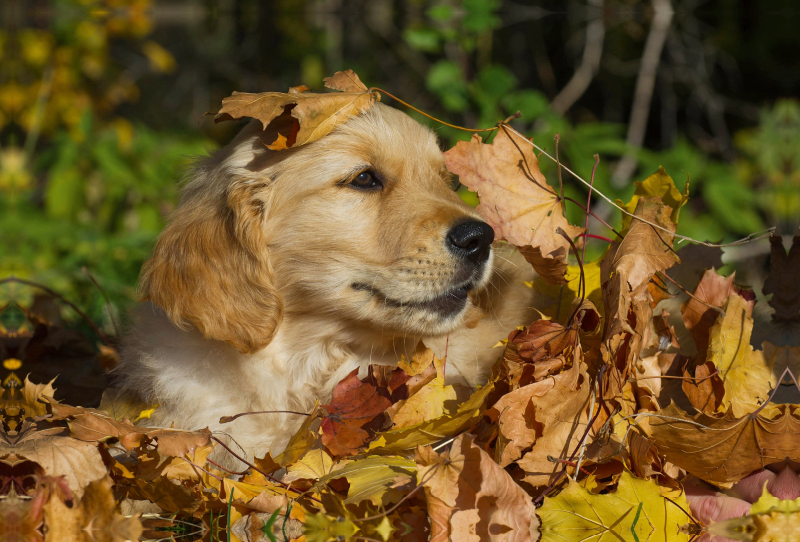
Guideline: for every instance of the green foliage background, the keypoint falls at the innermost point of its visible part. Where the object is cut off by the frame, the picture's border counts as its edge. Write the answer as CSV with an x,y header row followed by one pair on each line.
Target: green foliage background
x,y
101,105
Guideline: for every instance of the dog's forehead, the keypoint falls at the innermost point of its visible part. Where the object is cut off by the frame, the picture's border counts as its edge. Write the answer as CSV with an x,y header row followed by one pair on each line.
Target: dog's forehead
x,y
388,139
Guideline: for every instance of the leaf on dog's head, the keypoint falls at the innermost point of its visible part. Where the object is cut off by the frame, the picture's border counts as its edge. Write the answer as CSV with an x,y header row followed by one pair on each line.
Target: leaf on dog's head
x,y
355,404
298,117
346,81
516,199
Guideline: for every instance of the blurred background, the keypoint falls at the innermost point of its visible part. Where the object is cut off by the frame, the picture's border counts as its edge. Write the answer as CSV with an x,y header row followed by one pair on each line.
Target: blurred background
x,y
102,103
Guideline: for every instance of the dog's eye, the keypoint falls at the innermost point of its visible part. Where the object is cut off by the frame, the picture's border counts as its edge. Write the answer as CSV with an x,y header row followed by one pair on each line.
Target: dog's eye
x,y
366,180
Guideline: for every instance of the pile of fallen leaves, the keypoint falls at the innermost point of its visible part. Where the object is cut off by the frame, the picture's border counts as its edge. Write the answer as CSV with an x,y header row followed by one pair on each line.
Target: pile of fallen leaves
x,y
600,421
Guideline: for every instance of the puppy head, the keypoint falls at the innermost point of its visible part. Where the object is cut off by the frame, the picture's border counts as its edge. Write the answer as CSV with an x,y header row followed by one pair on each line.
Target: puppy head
x,y
362,226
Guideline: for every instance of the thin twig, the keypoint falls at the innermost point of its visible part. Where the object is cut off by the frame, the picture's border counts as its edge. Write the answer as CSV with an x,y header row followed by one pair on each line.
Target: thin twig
x,y
752,237
589,204
583,437
405,498
557,138
229,419
593,215
195,465
108,301
492,129
269,476
13,279
593,236
637,379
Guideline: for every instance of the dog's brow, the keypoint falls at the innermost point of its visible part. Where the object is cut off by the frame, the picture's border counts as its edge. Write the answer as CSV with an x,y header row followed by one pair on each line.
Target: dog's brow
x,y
354,170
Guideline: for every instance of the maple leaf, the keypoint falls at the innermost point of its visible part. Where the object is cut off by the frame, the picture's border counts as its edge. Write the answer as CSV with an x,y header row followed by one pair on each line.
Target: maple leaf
x,y
300,117
713,289
468,492
725,450
516,199
636,512
703,392
59,455
354,405
743,371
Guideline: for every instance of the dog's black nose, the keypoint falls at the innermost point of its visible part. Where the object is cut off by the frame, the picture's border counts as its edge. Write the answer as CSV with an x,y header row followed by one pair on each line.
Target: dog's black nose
x,y
471,240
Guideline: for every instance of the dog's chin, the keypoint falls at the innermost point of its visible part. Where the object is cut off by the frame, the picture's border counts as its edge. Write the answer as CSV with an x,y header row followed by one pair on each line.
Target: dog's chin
x,y
432,316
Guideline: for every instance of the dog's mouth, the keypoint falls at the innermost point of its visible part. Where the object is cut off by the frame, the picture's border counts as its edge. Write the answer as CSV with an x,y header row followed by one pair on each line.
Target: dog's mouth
x,y
446,304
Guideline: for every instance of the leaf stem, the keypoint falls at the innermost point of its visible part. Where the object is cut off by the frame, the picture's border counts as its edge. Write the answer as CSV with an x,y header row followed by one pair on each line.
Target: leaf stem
x,y
229,419
588,202
752,237
395,98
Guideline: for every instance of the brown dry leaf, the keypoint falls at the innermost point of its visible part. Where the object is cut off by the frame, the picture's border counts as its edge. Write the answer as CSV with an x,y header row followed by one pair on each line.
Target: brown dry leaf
x,y
562,414
93,519
725,450
89,424
468,492
354,405
516,199
346,81
516,414
713,289
783,280
300,117
743,371
59,455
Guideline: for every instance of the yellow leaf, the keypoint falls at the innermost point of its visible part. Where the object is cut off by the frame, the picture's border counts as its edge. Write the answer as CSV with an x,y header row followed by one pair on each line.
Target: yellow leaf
x,y
301,442
771,520
636,512
372,477
744,372
425,433
658,184
555,302
312,466
429,403
301,117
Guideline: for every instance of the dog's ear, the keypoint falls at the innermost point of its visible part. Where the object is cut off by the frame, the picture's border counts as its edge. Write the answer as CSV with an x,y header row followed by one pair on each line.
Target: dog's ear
x,y
210,268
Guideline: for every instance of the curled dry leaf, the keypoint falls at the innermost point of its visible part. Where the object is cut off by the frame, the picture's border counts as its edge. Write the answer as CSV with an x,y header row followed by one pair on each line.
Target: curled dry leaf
x,y
516,199
469,494
626,270
725,450
296,118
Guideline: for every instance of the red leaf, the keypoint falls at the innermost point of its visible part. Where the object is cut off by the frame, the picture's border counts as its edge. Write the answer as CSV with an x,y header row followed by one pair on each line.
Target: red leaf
x,y
355,405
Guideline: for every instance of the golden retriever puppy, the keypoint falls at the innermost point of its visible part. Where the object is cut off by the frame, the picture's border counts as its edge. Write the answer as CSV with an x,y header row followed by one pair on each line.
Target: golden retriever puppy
x,y
281,272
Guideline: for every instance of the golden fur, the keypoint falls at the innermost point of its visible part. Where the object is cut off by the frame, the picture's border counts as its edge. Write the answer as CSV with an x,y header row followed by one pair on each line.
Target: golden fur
x,y
251,303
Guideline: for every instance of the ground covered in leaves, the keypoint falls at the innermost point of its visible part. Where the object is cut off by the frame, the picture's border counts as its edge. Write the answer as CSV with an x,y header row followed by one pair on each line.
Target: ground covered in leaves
x,y
622,413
